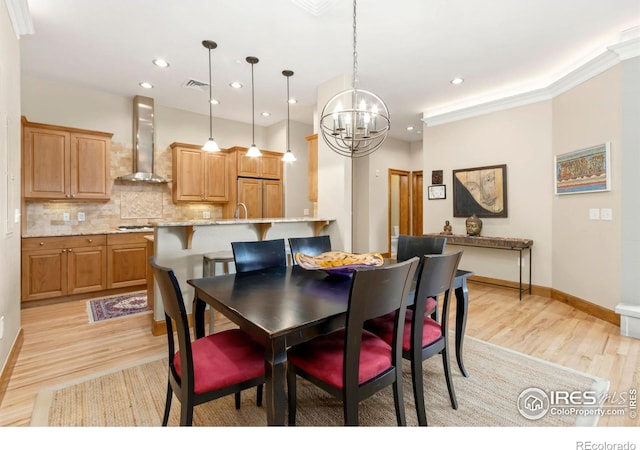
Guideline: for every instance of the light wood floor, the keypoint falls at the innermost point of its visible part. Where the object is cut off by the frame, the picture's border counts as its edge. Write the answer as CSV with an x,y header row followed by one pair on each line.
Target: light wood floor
x,y
61,345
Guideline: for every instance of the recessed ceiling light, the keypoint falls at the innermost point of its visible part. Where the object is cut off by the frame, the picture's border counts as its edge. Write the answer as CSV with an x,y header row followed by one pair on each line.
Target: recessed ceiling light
x,y
293,101
409,128
265,113
215,102
161,62
146,85
235,84
457,80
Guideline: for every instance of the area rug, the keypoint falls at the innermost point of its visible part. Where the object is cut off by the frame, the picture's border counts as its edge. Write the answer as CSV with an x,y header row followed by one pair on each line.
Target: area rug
x,y
117,306
135,395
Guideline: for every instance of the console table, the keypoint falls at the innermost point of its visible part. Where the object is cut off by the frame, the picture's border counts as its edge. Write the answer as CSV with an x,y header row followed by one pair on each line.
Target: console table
x,y
498,243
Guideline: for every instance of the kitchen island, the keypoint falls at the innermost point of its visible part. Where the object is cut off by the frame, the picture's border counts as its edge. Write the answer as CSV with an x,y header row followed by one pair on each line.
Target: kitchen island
x,y
180,245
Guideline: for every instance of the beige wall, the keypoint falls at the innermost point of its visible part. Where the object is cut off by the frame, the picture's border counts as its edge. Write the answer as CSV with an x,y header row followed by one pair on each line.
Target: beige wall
x,y
586,253
10,179
521,139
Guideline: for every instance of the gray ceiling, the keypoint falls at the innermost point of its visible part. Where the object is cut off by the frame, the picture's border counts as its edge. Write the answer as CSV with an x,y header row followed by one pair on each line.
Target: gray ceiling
x,y
408,50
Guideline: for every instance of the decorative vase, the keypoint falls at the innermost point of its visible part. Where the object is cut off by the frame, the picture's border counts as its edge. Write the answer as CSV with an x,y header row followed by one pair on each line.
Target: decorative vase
x,y
474,226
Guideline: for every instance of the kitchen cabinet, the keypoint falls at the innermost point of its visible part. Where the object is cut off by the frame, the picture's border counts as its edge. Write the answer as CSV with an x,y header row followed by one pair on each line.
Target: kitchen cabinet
x,y
262,197
59,266
199,176
269,165
126,260
65,163
312,147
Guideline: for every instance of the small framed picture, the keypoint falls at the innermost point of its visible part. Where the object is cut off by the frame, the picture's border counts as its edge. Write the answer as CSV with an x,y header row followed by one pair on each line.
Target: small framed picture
x,y
437,192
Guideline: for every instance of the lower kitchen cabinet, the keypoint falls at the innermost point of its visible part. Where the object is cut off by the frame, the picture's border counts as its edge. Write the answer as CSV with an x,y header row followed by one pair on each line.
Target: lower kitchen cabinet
x,y
127,260
54,267
59,266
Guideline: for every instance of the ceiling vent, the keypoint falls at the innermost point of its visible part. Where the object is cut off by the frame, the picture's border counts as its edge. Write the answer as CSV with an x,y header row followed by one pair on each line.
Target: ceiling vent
x,y
195,84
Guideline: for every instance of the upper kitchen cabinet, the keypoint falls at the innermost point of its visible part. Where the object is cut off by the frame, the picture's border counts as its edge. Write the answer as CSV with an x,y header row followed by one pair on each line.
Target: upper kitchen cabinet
x,y
199,176
61,163
269,165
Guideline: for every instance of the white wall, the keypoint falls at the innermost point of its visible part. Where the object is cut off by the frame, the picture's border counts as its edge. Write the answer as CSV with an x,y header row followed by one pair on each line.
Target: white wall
x,y
10,179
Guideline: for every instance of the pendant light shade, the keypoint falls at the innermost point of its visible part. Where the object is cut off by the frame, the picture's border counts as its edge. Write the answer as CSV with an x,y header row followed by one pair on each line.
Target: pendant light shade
x,y
210,145
254,151
288,154
355,122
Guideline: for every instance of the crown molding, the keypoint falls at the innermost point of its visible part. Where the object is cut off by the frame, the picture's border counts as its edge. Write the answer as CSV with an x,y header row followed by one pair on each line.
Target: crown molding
x,y
20,17
628,47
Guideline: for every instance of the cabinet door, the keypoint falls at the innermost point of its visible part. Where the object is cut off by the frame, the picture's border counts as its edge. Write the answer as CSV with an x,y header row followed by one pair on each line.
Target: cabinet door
x,y
45,163
312,145
250,193
127,265
247,166
216,177
271,166
87,269
44,273
272,198
188,179
90,167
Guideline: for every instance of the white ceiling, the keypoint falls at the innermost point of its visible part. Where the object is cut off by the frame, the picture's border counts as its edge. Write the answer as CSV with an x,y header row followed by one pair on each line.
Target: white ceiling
x,y
408,50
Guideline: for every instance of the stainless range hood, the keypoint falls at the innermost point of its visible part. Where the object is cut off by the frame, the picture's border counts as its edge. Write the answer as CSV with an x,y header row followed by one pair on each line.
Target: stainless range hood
x,y
143,143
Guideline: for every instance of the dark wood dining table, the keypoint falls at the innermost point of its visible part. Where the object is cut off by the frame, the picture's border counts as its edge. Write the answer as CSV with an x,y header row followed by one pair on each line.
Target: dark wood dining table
x,y
281,307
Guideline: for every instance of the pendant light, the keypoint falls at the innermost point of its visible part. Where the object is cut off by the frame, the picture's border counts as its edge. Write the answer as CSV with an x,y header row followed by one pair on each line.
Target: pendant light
x,y
355,122
210,145
254,151
288,155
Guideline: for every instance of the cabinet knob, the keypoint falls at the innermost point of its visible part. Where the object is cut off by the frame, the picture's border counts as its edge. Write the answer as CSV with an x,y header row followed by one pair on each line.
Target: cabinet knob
x,y
70,250
90,240
41,243
64,250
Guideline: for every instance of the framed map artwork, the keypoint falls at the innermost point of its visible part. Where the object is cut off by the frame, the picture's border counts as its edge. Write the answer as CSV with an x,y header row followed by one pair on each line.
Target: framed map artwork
x,y
481,191
583,171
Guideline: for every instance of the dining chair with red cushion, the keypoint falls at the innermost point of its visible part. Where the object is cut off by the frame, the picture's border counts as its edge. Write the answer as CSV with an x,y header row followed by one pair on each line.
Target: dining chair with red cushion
x,y
256,255
352,364
207,368
424,336
410,246
313,246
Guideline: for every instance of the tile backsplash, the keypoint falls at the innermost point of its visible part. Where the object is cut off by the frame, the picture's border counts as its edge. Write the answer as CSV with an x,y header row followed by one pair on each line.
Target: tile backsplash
x,y
131,203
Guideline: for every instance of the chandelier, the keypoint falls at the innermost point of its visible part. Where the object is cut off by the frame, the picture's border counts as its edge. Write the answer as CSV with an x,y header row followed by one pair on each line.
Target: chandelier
x,y
355,122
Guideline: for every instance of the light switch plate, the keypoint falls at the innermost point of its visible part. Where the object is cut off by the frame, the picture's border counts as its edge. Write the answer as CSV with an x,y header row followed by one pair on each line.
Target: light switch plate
x,y
594,214
206,215
81,217
606,214
65,217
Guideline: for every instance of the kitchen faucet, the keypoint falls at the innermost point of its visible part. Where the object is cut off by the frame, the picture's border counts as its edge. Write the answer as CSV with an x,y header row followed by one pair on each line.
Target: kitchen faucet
x,y
237,214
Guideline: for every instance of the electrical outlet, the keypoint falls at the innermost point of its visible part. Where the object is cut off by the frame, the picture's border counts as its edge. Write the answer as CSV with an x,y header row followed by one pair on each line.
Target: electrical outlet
x,y
606,214
206,215
306,212
65,217
80,217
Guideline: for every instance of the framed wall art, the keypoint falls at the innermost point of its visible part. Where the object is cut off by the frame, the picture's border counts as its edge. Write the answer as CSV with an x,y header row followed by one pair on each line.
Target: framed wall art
x,y
437,192
481,191
583,171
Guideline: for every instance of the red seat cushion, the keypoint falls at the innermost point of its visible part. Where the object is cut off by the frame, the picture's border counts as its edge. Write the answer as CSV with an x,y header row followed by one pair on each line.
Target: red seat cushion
x,y
383,327
323,357
223,359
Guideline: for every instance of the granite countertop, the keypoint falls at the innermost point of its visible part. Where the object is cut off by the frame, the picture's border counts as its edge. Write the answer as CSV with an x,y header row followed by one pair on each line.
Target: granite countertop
x,y
239,221
85,233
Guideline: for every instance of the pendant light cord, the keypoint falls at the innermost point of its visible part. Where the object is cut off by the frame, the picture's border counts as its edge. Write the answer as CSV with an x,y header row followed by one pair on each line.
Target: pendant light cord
x,y
210,100
288,123
253,110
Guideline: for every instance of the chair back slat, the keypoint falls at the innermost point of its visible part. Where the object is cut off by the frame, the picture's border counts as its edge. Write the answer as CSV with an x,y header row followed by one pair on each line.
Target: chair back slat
x,y
256,255
410,246
312,246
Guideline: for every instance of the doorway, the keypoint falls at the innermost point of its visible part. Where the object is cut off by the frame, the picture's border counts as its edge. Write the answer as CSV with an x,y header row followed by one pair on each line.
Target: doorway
x,y
399,207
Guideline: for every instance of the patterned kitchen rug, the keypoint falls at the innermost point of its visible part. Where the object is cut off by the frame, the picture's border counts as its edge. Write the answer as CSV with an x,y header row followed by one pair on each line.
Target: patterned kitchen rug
x,y
117,306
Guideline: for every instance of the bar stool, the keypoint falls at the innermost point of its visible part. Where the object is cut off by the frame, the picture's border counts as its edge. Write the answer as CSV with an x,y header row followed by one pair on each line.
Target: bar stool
x,y
209,264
